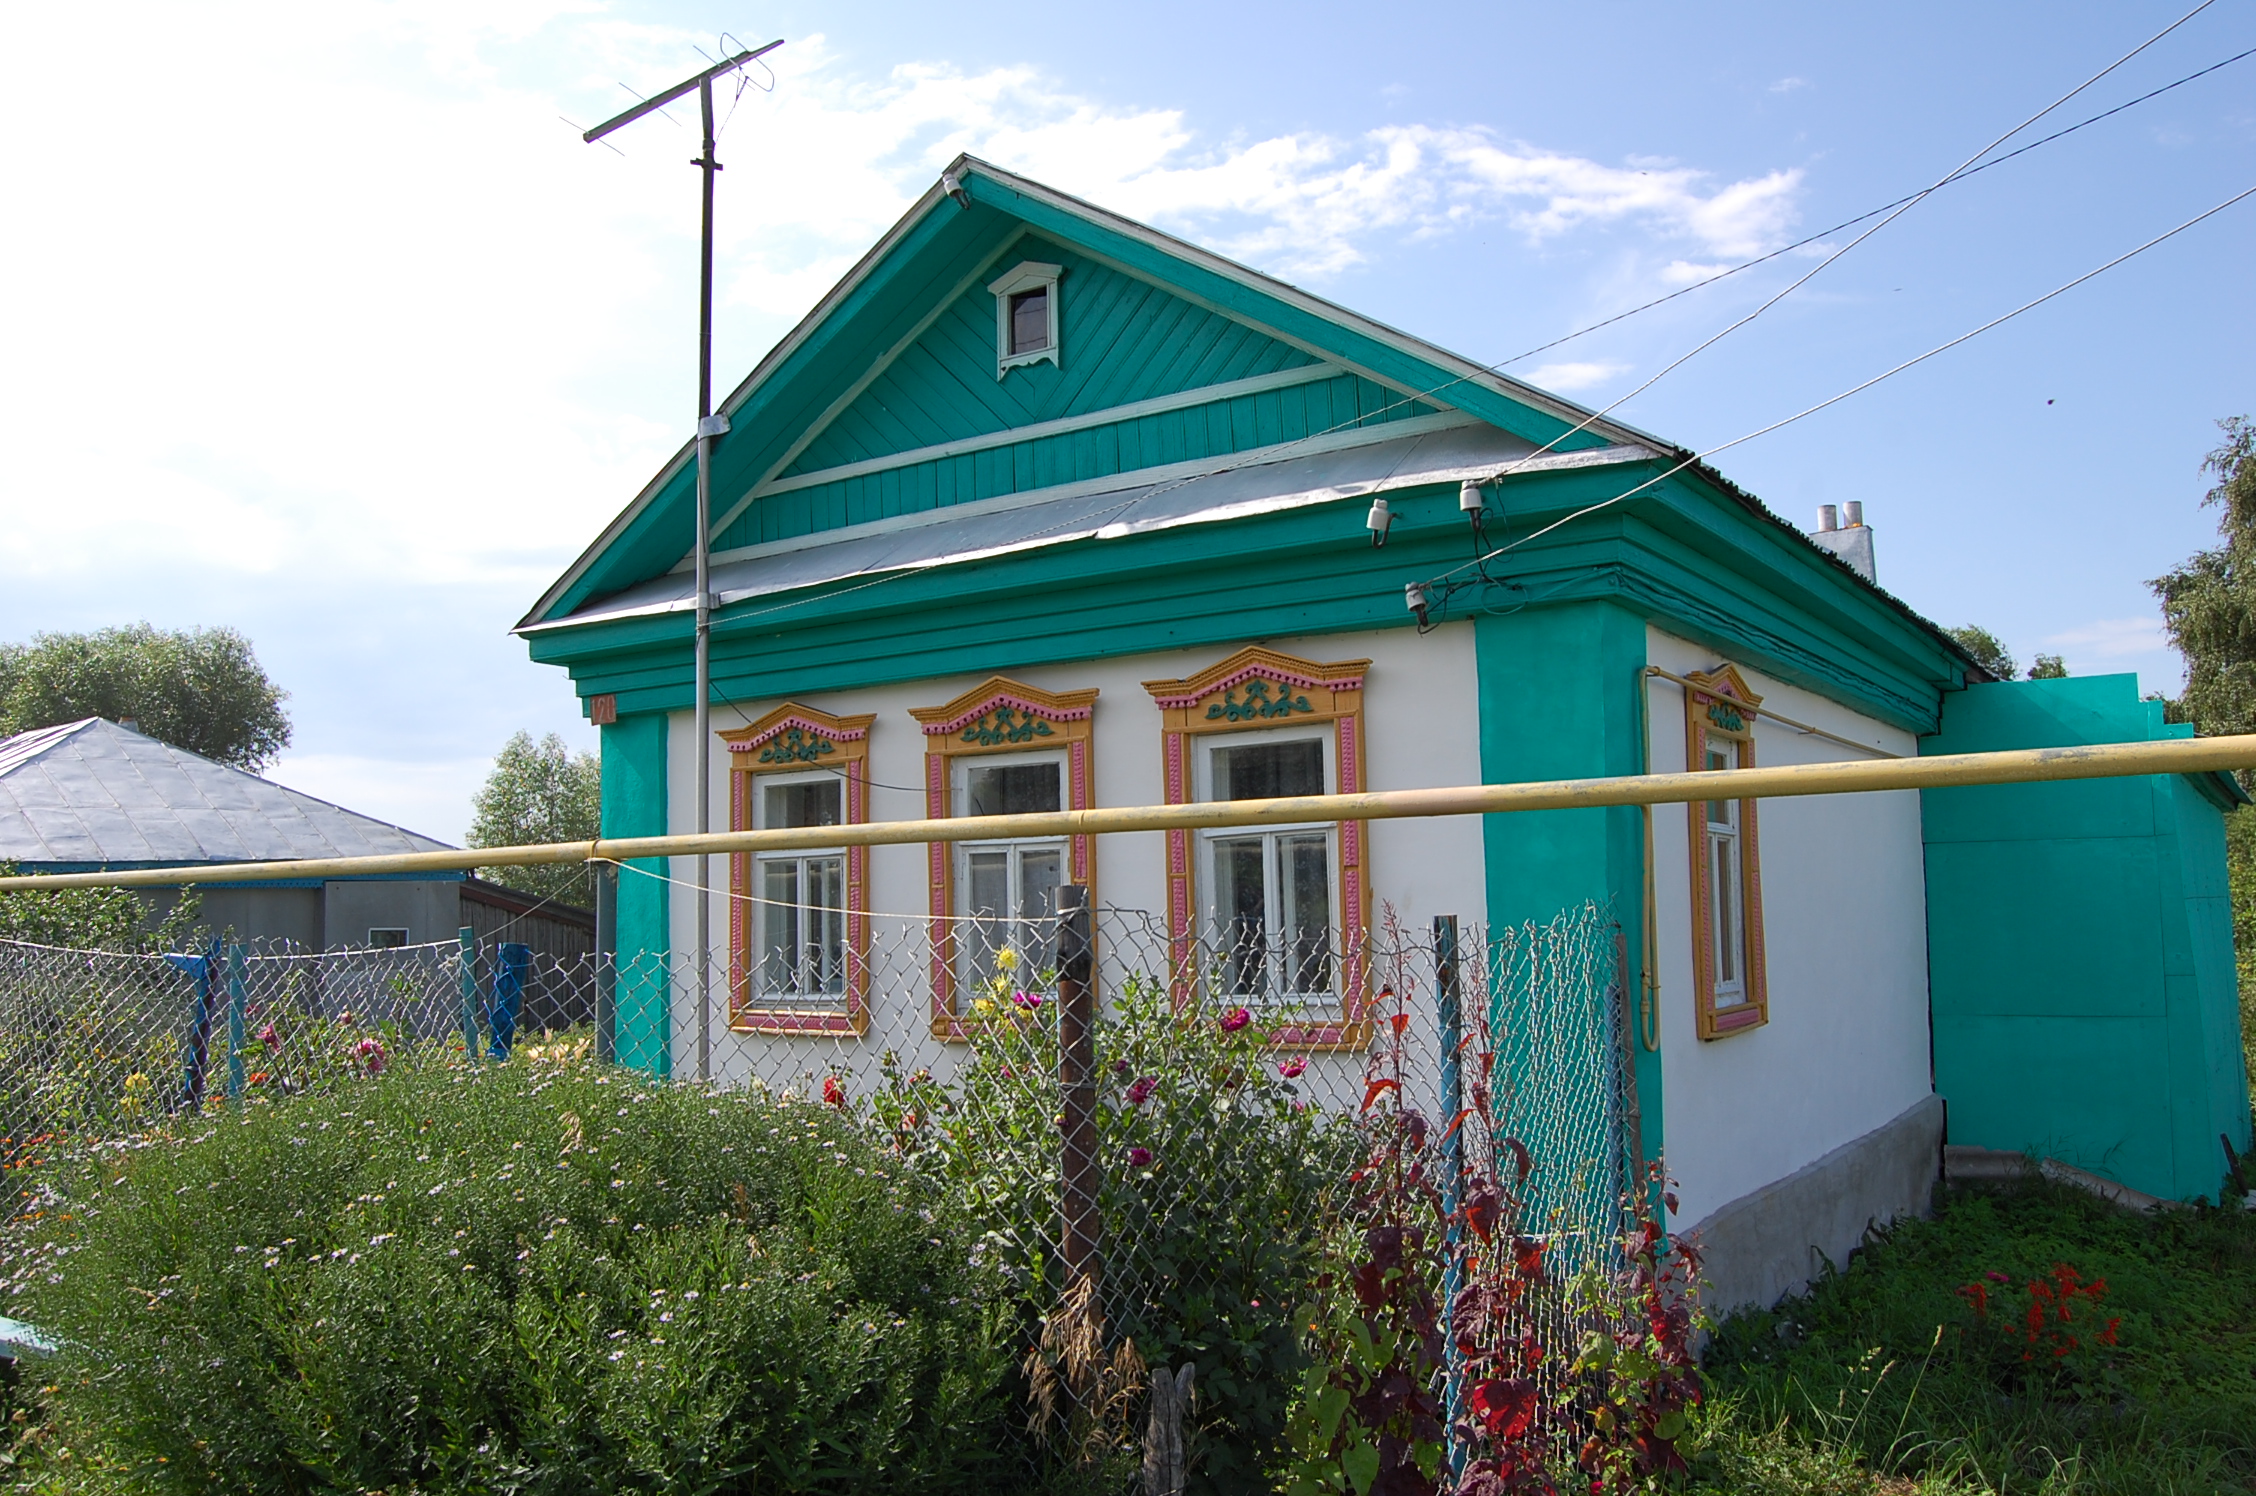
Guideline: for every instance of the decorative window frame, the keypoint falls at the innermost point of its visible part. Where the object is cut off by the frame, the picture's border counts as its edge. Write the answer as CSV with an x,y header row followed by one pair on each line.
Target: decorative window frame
x,y
1261,688
1718,703
1028,275
792,739
999,715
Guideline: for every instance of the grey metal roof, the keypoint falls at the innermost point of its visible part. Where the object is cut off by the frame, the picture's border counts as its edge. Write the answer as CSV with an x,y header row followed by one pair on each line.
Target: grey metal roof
x,y
1441,449
95,792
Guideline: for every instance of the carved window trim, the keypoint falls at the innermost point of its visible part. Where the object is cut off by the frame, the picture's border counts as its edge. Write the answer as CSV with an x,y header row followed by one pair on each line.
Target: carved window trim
x,y
790,740
997,716
1257,689
1719,705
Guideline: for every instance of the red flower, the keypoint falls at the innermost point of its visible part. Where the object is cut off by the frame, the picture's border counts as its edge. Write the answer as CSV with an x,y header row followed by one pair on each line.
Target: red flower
x,y
1139,1158
834,1094
1141,1091
1292,1069
1235,1019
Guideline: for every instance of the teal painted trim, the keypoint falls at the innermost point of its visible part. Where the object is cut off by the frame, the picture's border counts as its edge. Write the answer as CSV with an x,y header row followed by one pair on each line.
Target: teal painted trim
x,y
1211,431
1269,313
1789,614
1576,664
2080,959
634,804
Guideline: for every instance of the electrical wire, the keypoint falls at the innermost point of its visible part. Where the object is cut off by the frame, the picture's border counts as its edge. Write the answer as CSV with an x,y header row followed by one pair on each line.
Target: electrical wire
x,y
1893,214
1856,389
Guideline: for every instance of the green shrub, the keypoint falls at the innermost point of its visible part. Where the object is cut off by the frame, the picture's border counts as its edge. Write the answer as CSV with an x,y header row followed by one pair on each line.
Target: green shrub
x,y
1216,1171
540,1277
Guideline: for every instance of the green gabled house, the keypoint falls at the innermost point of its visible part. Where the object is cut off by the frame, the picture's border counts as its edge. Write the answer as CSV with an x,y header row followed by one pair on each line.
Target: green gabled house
x,y
1043,508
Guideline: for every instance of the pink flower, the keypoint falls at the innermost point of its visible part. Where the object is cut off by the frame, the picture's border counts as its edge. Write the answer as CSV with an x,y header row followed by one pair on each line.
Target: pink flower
x,y
1293,1069
1236,1019
1027,1001
370,1052
268,1037
1141,1091
1139,1158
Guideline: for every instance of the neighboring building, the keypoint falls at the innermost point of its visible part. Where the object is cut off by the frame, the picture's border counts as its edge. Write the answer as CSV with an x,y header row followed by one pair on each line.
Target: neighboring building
x,y
94,796
1042,508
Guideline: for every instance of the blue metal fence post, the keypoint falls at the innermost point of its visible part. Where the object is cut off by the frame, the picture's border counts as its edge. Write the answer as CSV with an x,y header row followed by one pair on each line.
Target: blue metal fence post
x,y
236,997
469,939
510,965
1449,1012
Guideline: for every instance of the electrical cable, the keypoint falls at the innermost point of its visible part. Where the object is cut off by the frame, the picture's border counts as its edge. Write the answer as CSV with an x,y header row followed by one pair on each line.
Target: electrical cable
x,y
1893,214
1702,456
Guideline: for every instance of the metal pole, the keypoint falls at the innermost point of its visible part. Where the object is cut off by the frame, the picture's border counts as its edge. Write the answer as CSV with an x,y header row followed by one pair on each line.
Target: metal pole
x,y
1449,1014
2011,766
237,997
469,987
1077,1087
702,550
606,961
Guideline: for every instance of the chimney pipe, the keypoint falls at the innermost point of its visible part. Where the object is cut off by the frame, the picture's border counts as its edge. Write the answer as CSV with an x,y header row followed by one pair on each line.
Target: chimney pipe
x,y
1854,514
1828,518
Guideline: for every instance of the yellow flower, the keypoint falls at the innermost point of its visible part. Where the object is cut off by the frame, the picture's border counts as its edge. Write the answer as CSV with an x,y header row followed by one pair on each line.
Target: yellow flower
x,y
985,1007
1006,959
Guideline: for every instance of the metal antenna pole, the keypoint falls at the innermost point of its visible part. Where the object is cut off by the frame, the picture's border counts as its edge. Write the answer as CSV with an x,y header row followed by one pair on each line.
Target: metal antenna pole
x,y
709,426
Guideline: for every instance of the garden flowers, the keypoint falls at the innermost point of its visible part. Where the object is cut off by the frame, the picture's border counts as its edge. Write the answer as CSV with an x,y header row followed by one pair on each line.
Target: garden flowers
x,y
1141,1091
834,1094
1139,1157
1292,1069
1235,1019
370,1053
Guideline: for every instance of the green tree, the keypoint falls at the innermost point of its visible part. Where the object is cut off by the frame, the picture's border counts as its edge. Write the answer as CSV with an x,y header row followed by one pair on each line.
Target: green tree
x,y
2209,608
540,792
1986,650
198,689
2048,667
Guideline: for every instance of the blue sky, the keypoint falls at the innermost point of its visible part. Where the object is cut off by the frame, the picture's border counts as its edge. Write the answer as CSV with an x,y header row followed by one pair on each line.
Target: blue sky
x,y
323,324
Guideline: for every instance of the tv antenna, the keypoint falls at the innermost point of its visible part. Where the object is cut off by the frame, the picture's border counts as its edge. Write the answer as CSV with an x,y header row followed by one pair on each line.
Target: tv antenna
x,y
709,426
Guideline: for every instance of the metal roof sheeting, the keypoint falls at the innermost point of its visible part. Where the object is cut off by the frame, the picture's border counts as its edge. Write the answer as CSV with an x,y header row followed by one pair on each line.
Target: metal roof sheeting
x,y
95,792
1450,450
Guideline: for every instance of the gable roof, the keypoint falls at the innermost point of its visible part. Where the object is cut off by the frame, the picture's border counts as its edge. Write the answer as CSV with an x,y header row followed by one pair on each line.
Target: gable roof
x,y
92,792
935,253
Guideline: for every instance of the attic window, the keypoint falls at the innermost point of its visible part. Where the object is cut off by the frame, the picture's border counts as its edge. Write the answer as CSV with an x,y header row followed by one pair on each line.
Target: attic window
x,y
1026,316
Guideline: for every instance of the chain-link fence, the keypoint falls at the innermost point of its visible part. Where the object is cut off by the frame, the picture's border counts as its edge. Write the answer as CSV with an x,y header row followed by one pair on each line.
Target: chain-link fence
x,y
1206,1120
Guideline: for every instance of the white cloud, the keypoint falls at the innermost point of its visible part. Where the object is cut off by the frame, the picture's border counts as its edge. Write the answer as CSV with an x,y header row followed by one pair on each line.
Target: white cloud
x,y
380,313
1573,376
1789,85
2115,638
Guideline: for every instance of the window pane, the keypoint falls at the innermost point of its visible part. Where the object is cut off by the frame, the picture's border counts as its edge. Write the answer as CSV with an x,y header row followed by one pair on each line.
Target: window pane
x,y
1265,771
1723,871
986,899
1011,789
1030,321
824,954
1308,912
1241,914
1040,871
1722,754
779,926
813,802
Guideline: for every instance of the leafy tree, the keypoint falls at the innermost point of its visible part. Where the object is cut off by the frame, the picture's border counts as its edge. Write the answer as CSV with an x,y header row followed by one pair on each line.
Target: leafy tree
x,y
1986,650
2048,667
198,689
540,792
2209,601
2209,608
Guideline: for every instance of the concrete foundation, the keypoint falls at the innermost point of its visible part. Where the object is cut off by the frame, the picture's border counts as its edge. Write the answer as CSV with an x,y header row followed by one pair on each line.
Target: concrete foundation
x,y
1775,1241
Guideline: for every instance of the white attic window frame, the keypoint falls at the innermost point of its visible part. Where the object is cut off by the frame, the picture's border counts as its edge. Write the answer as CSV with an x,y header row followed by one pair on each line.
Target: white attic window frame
x,y
1028,275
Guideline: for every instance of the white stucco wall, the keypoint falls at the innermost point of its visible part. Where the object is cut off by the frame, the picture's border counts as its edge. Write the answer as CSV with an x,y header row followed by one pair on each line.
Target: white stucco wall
x,y
1421,722
1844,923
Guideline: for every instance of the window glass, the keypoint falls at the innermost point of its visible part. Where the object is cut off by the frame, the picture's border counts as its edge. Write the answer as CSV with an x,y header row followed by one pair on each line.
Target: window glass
x,y
1011,789
1009,894
1308,917
802,927
392,939
1241,907
1265,771
1030,321
810,802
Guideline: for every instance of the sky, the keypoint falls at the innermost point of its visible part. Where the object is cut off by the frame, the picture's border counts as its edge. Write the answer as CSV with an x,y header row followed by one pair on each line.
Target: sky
x,y
322,323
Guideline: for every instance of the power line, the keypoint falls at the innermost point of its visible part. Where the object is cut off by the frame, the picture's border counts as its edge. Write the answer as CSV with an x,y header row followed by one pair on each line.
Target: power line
x,y
1853,390
1893,214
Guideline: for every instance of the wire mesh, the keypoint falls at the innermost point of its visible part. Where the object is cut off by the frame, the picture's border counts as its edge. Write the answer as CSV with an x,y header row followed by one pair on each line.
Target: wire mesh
x,y
1223,1115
